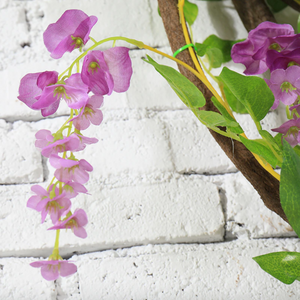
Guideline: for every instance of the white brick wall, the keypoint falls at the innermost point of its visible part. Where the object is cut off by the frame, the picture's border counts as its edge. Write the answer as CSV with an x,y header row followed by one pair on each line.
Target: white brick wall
x,y
161,188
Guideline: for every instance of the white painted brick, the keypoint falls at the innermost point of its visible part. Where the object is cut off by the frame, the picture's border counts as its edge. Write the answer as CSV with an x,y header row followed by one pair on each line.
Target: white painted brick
x,y
140,19
213,271
194,150
20,162
20,281
166,212
246,213
148,88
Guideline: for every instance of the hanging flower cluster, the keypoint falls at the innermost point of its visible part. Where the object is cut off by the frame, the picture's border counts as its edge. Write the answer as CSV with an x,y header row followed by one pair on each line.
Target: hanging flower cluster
x,y
276,47
101,74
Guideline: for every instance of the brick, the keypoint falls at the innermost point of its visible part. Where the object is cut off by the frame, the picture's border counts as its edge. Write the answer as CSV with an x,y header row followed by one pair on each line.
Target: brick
x,y
211,271
246,213
20,162
165,212
21,281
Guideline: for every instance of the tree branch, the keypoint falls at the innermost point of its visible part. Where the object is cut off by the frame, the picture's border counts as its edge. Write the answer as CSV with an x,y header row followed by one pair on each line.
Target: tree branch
x,y
265,184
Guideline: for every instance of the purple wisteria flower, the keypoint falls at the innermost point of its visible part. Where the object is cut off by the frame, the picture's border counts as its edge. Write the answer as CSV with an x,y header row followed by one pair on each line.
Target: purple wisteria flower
x,y
70,31
70,143
42,91
262,40
52,269
56,206
31,88
283,59
290,130
108,71
285,85
43,138
90,113
70,170
76,222
72,189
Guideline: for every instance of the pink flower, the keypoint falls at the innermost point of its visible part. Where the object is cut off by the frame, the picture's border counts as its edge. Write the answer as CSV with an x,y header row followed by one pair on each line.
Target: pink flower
x,y
73,90
283,59
89,113
42,91
107,71
266,37
290,131
71,143
43,138
31,88
44,202
285,85
70,31
76,222
70,170
52,269
73,188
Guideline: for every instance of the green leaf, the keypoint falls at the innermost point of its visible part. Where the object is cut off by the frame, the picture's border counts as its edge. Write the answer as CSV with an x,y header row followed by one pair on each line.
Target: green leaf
x,y
213,119
186,90
289,189
236,129
218,51
285,266
190,11
298,24
251,91
261,148
233,102
276,5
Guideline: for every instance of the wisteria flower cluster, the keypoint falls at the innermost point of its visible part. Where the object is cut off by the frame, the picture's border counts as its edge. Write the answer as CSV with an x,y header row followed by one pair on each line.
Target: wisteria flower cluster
x,y
102,72
276,47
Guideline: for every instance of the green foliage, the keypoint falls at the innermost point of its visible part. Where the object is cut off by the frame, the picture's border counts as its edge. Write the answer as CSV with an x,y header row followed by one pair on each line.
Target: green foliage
x,y
261,148
235,129
276,5
285,266
190,11
289,189
217,50
186,90
233,102
251,91
213,119
298,24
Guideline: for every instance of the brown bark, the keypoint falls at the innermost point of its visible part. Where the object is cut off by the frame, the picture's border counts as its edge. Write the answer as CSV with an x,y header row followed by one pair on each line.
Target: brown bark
x,y
265,184
293,4
253,12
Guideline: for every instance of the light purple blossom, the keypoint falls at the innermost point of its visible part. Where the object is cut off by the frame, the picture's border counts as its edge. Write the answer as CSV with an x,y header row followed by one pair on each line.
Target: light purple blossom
x,y
266,37
42,91
76,222
72,189
285,85
56,206
108,71
89,113
283,59
52,269
70,31
70,143
72,90
31,88
70,170
290,130
43,138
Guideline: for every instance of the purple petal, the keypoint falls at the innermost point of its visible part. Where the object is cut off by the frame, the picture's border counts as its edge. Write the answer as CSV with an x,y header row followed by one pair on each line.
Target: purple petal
x,y
46,78
84,29
33,202
67,269
119,65
65,26
50,272
85,165
81,217
28,90
80,232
